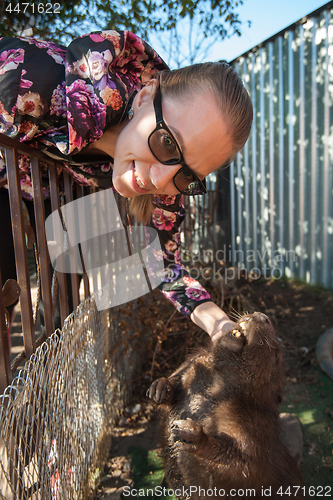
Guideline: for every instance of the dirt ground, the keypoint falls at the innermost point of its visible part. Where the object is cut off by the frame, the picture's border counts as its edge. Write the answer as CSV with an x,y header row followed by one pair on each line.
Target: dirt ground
x,y
300,313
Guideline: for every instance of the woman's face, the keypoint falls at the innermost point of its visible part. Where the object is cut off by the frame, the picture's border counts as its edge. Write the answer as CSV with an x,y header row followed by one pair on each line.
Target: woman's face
x,y
197,126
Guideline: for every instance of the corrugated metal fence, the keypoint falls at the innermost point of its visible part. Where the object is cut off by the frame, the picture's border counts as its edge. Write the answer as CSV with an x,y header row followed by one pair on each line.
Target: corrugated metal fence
x,y
282,182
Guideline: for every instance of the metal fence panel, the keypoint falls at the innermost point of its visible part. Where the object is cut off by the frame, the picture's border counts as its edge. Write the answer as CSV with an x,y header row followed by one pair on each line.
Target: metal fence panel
x,y
282,182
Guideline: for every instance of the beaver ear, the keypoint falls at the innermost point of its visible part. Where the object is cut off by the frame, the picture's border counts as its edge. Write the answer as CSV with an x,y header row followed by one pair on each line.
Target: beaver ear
x,y
233,343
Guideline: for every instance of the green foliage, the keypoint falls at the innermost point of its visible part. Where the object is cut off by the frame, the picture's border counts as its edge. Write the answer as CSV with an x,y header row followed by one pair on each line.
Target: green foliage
x,y
148,474
48,20
63,20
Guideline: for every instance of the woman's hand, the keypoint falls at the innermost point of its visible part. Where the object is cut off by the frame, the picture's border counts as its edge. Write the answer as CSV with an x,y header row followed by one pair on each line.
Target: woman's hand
x,y
212,319
225,327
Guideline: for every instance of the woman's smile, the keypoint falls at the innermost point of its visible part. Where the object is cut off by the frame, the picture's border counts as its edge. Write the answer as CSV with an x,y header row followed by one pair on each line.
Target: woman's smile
x,y
137,183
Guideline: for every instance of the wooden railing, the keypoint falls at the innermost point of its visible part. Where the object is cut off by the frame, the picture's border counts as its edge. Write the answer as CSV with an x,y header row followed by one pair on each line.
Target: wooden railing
x,y
67,295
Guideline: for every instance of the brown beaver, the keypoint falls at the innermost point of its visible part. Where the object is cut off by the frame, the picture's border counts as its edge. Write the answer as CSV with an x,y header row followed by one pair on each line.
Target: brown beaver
x,y
221,420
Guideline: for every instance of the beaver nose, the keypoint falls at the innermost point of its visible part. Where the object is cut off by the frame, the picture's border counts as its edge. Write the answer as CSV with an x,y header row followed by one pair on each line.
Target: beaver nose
x,y
262,317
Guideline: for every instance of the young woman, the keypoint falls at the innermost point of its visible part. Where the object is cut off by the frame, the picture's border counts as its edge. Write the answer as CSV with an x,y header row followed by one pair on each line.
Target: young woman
x,y
114,114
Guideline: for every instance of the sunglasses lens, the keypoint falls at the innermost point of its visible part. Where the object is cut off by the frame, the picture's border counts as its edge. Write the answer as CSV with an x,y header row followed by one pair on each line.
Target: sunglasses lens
x,y
163,147
187,184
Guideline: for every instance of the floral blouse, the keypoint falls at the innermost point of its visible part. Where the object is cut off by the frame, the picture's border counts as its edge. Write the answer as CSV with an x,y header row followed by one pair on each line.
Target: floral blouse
x,y
61,99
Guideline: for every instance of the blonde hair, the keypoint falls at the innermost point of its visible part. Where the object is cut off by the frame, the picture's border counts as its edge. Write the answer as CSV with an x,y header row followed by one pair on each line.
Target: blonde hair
x,y
226,86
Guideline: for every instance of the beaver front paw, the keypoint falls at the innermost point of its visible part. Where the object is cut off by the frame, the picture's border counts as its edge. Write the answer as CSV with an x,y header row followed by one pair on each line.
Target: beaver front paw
x,y
160,390
189,433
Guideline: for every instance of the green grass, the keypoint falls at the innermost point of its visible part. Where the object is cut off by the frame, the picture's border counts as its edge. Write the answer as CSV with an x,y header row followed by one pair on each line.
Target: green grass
x,y
148,474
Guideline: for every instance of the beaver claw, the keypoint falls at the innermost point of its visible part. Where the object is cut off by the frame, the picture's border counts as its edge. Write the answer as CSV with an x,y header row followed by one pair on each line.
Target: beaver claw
x,y
160,390
189,432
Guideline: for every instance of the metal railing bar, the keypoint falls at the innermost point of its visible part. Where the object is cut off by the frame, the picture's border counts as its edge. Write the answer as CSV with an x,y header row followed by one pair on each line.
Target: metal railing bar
x,y
63,294
21,256
74,276
23,148
44,259
80,194
5,372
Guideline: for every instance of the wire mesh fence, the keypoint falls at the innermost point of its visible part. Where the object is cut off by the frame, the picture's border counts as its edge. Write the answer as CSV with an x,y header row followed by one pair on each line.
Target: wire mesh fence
x,y
56,416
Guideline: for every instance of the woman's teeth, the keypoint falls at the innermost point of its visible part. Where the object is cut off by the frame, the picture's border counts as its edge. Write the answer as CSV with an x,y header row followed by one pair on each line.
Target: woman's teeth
x,y
138,181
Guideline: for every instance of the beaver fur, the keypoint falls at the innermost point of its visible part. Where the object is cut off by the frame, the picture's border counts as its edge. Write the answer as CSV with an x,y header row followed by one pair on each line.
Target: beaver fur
x,y
220,418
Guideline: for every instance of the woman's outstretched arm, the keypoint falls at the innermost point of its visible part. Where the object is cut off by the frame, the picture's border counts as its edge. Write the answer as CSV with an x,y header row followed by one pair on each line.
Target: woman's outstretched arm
x,y
183,291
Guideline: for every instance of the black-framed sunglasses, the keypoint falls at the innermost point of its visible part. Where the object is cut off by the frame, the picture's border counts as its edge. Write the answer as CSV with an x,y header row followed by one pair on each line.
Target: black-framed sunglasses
x,y
166,150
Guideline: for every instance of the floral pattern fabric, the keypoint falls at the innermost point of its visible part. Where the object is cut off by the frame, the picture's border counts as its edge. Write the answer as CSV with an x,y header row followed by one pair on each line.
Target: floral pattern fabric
x,y
61,99
184,292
